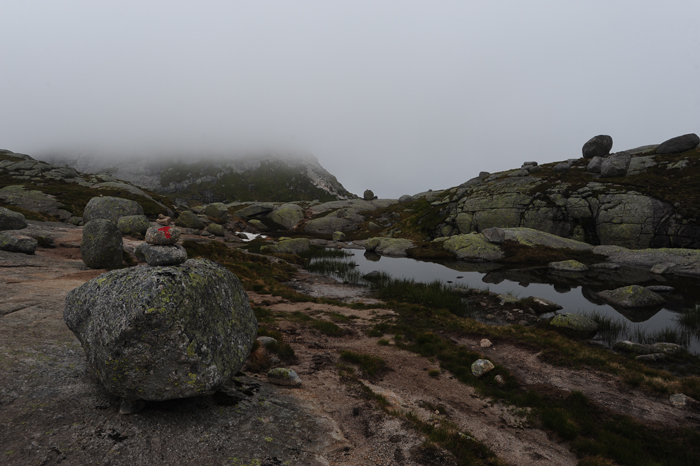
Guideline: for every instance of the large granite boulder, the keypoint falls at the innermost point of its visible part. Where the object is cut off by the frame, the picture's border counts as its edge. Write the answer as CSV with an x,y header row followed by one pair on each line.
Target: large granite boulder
x,y
632,296
156,333
216,229
255,210
679,144
13,242
597,146
615,165
102,246
189,219
217,211
329,225
110,208
11,220
133,225
595,164
287,215
389,246
368,195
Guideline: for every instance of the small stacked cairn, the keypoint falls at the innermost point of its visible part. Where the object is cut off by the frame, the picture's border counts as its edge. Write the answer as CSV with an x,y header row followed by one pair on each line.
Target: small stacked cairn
x,y
161,248
163,220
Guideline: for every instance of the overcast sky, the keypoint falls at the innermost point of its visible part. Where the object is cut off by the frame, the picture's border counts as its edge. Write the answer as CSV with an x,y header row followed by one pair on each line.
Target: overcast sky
x,y
396,96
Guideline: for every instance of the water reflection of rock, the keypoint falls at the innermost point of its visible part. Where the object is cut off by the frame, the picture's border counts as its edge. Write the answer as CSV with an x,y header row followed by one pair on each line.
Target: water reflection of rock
x,y
372,256
632,314
595,280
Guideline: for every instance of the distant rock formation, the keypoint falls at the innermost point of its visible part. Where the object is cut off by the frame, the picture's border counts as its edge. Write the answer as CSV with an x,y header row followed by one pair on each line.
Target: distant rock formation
x,y
238,177
638,198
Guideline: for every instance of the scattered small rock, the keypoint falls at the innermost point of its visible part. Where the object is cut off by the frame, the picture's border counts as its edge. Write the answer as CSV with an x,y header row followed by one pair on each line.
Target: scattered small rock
x,y
283,376
627,346
485,343
667,348
481,367
163,220
651,357
678,400
576,324
266,341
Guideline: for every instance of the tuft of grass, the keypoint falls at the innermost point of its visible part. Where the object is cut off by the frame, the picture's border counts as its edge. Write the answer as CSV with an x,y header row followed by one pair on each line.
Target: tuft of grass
x,y
370,366
327,328
436,295
690,320
343,269
609,329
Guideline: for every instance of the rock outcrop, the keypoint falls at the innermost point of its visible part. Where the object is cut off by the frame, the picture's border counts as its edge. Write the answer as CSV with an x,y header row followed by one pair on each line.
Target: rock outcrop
x,y
581,202
156,333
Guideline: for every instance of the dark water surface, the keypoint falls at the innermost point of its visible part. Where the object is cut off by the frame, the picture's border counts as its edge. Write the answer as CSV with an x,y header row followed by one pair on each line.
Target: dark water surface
x,y
575,292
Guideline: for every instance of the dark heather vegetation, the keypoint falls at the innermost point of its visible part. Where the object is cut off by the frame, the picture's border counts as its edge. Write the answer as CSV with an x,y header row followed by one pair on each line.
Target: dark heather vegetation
x,y
429,318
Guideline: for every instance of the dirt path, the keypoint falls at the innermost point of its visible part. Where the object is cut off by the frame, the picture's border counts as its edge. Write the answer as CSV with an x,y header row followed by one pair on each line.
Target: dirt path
x,y
54,412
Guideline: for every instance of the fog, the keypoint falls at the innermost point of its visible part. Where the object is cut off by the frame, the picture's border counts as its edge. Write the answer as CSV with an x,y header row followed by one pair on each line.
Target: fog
x,y
396,96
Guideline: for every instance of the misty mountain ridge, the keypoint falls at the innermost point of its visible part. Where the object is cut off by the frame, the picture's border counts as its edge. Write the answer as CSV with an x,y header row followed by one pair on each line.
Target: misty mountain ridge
x,y
264,176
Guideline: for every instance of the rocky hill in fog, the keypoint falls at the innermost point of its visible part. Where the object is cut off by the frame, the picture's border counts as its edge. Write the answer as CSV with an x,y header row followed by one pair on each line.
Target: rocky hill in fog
x,y
260,177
